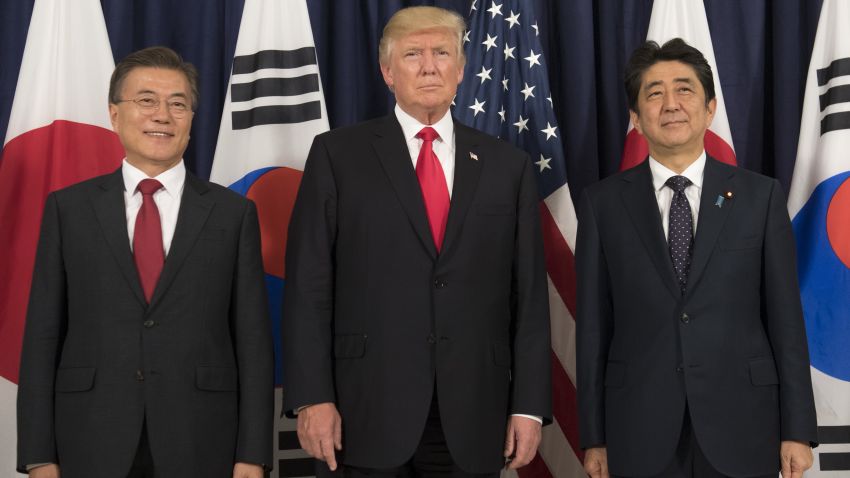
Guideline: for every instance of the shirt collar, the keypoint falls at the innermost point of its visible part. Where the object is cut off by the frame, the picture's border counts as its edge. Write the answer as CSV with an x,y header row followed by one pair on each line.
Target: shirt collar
x,y
172,180
445,126
660,173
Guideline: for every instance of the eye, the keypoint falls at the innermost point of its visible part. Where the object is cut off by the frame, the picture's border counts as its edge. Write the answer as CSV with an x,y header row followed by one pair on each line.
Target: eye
x,y
653,94
146,101
686,89
178,105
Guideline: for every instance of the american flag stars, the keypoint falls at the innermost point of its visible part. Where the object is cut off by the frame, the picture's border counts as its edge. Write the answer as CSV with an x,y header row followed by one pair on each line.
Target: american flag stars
x,y
495,9
478,107
490,42
512,20
510,96
484,75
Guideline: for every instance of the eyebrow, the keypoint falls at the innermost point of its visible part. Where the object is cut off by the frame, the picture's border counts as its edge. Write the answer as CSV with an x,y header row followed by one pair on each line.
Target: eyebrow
x,y
179,94
675,80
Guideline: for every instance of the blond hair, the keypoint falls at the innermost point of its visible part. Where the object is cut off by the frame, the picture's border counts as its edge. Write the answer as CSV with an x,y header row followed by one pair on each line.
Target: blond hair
x,y
416,19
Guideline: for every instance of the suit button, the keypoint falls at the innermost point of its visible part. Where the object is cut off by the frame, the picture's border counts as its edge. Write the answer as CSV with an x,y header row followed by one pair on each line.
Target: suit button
x,y
149,323
140,376
432,339
440,284
685,319
680,369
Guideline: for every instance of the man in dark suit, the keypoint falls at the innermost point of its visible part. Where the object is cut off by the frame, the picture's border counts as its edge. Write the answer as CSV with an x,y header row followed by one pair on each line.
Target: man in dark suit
x,y
415,330
147,349
692,355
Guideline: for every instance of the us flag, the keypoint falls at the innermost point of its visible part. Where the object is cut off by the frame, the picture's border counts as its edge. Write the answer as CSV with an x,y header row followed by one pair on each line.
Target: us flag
x,y
505,92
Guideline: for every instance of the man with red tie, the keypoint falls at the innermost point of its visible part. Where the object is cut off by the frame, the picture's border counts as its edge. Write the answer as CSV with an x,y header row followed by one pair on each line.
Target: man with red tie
x,y
147,349
415,329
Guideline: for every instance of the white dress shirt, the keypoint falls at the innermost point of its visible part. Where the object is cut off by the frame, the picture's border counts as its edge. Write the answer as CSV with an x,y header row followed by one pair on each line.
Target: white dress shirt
x,y
664,194
167,199
444,146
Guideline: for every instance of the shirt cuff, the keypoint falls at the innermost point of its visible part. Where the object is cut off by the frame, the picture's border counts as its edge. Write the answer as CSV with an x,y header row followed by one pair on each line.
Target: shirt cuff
x,y
533,417
36,465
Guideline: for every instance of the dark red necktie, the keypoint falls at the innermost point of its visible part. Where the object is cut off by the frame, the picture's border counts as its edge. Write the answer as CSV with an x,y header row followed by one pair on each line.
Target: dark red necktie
x,y
147,238
432,180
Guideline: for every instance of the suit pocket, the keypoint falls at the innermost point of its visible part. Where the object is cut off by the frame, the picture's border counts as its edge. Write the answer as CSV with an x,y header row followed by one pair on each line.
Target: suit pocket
x,y
216,379
615,374
740,243
495,209
763,372
350,346
502,355
78,379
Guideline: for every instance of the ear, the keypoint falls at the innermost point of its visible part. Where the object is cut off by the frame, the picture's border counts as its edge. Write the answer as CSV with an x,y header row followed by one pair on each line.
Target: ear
x,y
387,73
113,116
635,119
460,68
711,109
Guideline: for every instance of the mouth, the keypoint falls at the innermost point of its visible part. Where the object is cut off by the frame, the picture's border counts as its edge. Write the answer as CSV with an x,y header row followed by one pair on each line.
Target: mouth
x,y
159,134
666,124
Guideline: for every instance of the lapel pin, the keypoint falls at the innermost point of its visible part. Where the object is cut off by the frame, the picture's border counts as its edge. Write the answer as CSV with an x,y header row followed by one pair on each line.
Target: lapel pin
x,y
723,197
473,156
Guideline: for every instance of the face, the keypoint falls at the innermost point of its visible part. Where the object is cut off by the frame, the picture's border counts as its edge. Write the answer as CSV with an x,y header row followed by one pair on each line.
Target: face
x,y
673,114
423,71
154,139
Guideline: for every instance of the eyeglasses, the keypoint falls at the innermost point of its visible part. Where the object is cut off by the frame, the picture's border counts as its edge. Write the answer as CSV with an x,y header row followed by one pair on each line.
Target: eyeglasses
x,y
148,105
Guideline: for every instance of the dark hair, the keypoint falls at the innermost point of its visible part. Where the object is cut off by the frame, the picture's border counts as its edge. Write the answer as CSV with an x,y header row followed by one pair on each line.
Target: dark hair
x,y
153,57
676,49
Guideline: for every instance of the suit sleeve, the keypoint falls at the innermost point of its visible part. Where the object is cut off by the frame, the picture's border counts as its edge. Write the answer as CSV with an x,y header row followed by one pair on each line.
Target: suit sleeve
x,y
253,343
44,333
593,327
531,392
308,305
785,326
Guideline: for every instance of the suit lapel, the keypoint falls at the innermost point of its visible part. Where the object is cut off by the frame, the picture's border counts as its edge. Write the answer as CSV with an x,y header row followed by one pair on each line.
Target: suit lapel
x,y
394,156
195,207
467,172
716,181
639,199
108,202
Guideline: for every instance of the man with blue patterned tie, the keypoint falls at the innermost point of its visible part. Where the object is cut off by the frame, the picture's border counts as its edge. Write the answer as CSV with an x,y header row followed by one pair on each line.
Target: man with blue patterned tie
x,y
692,353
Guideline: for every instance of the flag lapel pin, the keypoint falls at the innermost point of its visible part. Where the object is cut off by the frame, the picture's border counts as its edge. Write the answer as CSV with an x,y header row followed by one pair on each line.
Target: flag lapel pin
x,y
722,198
473,156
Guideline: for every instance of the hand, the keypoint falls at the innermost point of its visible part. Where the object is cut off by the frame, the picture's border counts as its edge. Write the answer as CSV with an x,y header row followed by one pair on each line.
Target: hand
x,y
320,432
247,470
596,462
796,457
45,471
521,441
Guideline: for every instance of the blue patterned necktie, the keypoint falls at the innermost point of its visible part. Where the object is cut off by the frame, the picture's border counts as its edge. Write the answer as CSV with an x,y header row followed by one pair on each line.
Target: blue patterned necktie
x,y
680,235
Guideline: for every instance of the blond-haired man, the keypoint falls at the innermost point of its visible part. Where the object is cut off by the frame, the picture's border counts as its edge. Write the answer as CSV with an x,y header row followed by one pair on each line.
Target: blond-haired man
x,y
416,333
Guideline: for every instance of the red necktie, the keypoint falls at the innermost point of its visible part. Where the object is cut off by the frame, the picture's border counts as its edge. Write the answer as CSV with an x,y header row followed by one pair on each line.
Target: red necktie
x,y
433,184
147,238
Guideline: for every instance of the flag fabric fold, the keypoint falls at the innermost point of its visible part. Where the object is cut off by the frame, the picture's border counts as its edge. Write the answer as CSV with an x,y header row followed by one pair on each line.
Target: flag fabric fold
x,y
685,19
819,203
506,93
59,134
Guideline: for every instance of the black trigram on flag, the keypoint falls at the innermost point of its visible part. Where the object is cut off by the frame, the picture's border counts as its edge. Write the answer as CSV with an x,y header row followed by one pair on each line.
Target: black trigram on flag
x,y
834,95
834,461
275,92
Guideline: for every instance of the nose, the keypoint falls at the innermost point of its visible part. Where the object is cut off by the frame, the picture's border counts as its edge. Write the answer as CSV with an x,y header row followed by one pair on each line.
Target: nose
x,y
670,102
429,63
161,114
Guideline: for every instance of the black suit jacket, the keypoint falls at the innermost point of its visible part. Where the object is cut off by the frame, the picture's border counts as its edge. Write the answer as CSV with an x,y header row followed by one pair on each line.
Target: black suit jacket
x,y
733,348
196,364
374,317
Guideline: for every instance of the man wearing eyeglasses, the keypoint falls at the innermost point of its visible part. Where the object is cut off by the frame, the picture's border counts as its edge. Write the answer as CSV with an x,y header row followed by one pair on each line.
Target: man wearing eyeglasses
x,y
147,349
